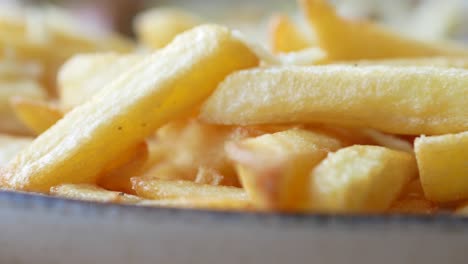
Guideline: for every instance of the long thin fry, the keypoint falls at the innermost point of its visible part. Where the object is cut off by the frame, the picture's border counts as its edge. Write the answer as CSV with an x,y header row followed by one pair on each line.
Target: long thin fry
x,y
400,100
163,86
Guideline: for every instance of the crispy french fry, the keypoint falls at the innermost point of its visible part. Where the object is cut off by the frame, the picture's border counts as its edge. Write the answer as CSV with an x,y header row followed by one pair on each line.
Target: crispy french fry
x,y
37,115
286,36
443,166
10,146
162,87
274,168
361,179
398,100
25,88
88,192
157,27
168,190
344,39
84,75
130,164
200,203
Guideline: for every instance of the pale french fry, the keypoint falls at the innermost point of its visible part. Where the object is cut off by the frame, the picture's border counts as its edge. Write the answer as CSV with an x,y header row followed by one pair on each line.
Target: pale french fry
x,y
130,164
88,192
286,36
199,203
388,141
344,39
162,87
84,75
399,100
309,56
443,62
166,189
37,115
10,146
157,27
274,168
443,166
361,179
25,88
12,70
186,150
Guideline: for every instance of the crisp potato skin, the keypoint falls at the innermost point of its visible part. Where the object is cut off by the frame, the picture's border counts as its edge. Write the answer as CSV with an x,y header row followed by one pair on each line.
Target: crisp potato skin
x,y
361,179
443,166
400,100
162,87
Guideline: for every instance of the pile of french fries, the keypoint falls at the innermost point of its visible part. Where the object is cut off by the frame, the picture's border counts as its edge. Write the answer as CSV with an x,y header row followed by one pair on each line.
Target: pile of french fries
x,y
345,117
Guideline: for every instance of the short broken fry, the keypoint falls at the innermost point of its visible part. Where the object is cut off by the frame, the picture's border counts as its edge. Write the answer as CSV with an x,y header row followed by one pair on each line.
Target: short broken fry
x,y
88,192
443,166
274,168
361,179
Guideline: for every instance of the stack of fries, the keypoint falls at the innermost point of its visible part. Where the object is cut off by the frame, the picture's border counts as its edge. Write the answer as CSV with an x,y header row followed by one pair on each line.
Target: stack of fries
x,y
347,117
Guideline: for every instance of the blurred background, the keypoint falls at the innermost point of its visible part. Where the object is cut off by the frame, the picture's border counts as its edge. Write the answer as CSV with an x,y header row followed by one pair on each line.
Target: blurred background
x,y
425,19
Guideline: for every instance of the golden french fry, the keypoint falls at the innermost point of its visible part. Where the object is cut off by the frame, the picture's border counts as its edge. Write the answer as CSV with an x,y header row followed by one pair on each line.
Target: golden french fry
x,y
116,177
37,115
443,166
157,27
274,168
12,70
200,203
361,179
24,88
344,39
10,146
413,201
167,189
286,36
88,192
162,87
85,75
399,100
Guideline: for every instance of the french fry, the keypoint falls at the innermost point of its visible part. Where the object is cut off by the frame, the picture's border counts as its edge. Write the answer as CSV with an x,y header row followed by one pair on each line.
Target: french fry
x,y
399,100
191,149
10,146
162,87
200,203
361,179
413,201
116,177
25,88
88,192
443,166
37,115
274,168
84,75
286,36
442,62
157,27
168,190
344,39
389,141
309,56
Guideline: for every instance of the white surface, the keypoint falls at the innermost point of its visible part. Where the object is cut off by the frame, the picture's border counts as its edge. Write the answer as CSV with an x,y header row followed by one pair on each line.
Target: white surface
x,y
44,230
